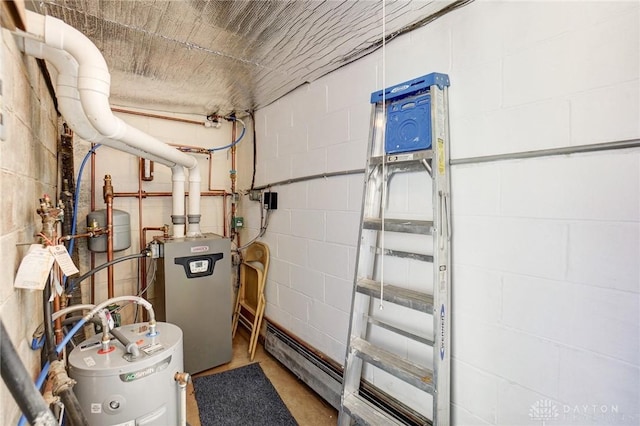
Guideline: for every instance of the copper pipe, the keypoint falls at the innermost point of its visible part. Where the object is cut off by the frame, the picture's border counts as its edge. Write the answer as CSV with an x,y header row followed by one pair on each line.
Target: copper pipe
x,y
224,215
90,234
92,256
56,307
142,264
108,199
232,175
217,192
162,117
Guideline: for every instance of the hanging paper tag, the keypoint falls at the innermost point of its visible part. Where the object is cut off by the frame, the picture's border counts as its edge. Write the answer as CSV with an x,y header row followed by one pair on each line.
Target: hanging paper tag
x,y
64,260
34,268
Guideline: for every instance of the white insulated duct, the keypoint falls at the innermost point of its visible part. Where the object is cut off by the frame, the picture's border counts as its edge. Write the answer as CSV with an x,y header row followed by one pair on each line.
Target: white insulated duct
x,y
93,85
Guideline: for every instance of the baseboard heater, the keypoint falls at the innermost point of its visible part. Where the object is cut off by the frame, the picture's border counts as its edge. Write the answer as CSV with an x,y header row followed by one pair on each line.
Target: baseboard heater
x,y
324,376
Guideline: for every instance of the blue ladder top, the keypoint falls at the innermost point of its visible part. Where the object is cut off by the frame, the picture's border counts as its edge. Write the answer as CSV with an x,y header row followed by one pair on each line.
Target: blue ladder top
x,y
410,87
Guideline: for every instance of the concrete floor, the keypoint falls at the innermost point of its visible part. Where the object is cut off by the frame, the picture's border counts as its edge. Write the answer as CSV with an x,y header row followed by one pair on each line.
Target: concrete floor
x,y
304,404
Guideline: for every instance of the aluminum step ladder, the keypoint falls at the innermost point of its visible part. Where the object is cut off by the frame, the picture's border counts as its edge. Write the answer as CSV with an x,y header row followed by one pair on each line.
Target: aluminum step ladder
x,y
399,330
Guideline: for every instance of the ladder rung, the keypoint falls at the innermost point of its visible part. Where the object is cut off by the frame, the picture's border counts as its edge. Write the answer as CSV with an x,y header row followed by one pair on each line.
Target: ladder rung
x,y
394,329
400,296
414,374
363,412
406,255
404,157
409,226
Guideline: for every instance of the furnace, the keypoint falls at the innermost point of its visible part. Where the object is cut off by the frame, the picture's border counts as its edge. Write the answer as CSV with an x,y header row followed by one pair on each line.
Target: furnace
x,y
192,289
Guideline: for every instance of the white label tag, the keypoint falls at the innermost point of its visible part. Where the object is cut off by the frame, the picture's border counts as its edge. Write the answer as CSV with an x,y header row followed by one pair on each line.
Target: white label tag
x,y
96,408
152,348
34,268
64,260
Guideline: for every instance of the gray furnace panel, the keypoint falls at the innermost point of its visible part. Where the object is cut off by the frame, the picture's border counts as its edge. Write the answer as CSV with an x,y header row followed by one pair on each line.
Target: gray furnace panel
x,y
193,291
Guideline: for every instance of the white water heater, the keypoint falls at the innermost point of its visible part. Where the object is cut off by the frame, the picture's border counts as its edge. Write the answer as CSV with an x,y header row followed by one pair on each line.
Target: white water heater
x,y
115,388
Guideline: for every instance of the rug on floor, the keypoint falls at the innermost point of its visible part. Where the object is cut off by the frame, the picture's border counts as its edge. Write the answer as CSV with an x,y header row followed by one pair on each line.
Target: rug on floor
x,y
243,396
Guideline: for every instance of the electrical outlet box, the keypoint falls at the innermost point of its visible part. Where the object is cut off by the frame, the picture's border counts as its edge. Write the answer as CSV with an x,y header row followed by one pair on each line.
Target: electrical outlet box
x,y
255,195
238,222
270,200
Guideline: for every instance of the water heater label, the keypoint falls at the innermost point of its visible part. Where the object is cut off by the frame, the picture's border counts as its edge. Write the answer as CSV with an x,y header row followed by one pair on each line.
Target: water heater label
x,y
135,375
96,408
152,348
199,249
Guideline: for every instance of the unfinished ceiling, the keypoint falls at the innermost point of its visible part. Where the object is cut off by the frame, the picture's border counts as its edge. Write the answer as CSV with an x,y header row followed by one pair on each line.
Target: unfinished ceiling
x,y
211,56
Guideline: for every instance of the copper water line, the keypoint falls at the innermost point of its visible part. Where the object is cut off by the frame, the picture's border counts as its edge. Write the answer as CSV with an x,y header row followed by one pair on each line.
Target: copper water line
x,y
224,215
92,256
108,199
233,175
142,264
144,194
162,117
58,322
89,234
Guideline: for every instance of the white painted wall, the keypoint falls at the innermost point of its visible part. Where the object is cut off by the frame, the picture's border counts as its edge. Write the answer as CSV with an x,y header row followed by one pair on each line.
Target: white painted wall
x,y
546,251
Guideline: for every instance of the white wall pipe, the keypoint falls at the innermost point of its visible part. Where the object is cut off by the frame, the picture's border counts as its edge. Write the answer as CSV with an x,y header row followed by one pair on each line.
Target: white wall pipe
x,y
94,83
194,204
178,216
94,86
69,98
182,379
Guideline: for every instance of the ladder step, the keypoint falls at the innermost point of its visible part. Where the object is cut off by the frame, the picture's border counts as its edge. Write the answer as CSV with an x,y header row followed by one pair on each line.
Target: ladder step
x,y
406,255
404,157
363,412
413,374
409,226
400,296
394,329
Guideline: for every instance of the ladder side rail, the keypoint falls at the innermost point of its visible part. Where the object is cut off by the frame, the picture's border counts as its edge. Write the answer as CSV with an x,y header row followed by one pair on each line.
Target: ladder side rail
x,y
442,256
359,302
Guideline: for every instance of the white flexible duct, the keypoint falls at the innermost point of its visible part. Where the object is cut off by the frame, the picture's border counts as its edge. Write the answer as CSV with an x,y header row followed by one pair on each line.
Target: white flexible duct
x,y
93,84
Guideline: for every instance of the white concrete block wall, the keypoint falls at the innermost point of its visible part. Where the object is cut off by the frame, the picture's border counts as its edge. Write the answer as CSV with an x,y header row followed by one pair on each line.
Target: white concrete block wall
x,y
28,169
545,250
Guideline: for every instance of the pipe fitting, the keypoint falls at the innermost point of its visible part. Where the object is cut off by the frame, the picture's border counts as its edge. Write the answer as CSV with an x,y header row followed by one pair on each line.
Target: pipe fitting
x,y
194,218
182,378
178,219
107,189
152,328
59,378
104,343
